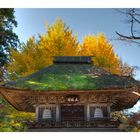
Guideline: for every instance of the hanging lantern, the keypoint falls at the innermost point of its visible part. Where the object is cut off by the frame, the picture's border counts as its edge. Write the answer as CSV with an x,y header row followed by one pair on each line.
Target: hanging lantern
x,y
98,113
47,114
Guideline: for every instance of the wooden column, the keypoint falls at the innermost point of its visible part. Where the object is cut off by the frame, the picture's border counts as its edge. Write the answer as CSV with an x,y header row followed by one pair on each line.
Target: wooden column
x,y
85,112
88,112
57,113
36,113
108,110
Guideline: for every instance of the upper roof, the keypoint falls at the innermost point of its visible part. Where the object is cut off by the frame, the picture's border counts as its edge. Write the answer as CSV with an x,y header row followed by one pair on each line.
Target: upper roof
x,y
72,76
73,60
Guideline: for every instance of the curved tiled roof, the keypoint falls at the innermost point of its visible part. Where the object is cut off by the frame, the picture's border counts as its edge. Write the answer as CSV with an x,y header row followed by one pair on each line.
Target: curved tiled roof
x,y
72,77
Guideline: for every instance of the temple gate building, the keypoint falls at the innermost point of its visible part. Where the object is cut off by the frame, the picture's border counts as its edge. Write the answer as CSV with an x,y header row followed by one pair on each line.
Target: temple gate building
x,y
72,92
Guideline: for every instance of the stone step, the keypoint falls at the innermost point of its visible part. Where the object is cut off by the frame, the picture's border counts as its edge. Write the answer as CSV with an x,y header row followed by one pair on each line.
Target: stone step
x,y
75,130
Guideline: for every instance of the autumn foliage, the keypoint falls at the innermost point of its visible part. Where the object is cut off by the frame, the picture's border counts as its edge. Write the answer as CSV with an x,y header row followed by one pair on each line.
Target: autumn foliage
x,y
59,40
12,120
102,51
36,54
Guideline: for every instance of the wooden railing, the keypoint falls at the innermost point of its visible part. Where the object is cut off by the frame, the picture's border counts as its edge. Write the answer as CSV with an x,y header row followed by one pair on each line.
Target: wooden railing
x,y
75,124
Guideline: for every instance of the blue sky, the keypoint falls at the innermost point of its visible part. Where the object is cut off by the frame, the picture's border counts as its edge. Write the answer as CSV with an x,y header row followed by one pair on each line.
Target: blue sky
x,y
82,22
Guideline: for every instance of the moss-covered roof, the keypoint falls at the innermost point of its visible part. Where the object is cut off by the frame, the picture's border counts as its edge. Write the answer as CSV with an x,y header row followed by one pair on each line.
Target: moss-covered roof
x,y
72,77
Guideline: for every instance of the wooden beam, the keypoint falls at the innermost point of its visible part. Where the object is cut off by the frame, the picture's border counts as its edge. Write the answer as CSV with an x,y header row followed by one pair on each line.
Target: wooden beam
x,y
29,91
16,97
136,93
37,113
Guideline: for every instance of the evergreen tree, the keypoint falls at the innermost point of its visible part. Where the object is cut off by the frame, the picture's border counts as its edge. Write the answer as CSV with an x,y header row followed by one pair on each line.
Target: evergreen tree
x,y
8,39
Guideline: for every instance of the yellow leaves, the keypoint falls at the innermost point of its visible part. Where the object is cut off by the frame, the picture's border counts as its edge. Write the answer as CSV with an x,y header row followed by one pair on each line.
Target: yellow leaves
x,y
102,51
37,54
13,120
59,41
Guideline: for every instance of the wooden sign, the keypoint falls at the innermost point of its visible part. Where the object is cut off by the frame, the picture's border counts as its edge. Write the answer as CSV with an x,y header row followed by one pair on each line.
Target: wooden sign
x,y
72,98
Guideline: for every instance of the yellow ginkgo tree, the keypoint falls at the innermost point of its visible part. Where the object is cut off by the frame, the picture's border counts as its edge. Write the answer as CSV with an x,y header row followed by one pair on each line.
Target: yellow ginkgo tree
x,y
59,40
29,59
102,52
37,54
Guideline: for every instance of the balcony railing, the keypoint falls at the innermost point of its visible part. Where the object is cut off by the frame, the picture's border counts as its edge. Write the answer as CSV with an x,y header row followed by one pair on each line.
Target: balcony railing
x,y
97,123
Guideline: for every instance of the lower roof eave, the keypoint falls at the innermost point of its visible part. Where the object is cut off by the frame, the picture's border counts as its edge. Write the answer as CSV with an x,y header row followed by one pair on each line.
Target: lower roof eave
x,y
129,98
108,90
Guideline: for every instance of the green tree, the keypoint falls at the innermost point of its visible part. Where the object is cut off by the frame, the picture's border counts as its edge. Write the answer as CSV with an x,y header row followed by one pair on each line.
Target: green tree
x,y
8,39
12,120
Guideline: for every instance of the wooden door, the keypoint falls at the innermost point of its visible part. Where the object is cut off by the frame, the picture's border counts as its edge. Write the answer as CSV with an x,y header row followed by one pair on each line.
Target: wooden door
x,y
72,113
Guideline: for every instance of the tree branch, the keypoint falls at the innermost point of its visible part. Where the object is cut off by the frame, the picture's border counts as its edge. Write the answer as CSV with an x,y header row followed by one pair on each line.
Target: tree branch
x,y
133,20
132,23
128,37
136,20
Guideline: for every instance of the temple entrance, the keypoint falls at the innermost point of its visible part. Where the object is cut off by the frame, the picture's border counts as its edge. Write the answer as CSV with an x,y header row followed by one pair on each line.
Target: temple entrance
x,y
72,113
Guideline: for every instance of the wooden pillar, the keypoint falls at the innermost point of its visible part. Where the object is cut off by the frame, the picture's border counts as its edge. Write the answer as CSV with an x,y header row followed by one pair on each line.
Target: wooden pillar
x,y
108,110
57,113
36,113
88,112
85,112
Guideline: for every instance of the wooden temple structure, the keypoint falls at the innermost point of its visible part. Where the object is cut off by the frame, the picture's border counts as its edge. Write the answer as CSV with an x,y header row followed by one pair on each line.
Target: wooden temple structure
x,y
72,92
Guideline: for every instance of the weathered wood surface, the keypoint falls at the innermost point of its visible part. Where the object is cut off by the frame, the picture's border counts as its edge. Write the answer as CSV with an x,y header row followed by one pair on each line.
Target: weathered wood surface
x,y
26,100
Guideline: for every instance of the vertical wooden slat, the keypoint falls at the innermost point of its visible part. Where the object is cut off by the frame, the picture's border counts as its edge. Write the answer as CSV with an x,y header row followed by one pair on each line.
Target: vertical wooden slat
x,y
88,112
108,110
57,113
37,113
